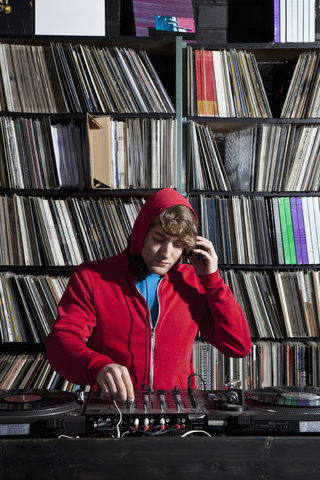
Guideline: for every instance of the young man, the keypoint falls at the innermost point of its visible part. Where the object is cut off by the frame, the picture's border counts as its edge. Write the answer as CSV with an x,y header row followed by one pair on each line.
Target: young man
x,y
106,334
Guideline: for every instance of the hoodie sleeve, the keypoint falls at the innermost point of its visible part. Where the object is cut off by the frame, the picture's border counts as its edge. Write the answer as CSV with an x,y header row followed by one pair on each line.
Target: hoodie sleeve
x,y
66,345
227,328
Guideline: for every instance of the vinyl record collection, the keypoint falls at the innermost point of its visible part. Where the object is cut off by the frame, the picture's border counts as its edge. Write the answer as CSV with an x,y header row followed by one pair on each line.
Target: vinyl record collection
x,y
228,84
247,230
38,154
65,78
225,84
29,370
260,230
302,100
60,232
295,21
28,306
292,363
206,170
283,306
278,304
274,363
148,157
56,232
261,158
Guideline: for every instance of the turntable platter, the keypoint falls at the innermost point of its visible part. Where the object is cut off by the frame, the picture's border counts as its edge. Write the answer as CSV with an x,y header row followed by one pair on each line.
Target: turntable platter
x,y
279,398
36,402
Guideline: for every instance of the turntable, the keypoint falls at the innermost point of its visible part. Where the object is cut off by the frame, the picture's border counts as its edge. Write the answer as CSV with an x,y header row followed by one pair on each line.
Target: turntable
x,y
286,399
38,413
271,411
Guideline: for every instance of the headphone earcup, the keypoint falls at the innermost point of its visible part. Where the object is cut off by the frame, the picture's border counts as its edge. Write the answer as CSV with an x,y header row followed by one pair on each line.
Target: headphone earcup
x,y
137,266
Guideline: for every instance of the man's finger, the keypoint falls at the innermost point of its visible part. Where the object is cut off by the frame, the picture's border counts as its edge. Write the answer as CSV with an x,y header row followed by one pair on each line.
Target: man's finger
x,y
123,384
112,383
128,384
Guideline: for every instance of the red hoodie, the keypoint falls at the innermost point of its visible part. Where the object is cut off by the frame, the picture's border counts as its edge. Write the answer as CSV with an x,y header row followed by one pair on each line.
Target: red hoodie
x,y
102,316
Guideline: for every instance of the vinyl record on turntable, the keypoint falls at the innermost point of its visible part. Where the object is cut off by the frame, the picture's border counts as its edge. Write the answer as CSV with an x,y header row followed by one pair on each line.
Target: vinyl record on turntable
x,y
285,398
36,402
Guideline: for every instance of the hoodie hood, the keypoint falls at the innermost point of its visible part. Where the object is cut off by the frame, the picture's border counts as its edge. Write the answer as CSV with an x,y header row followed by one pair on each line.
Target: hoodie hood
x,y
161,200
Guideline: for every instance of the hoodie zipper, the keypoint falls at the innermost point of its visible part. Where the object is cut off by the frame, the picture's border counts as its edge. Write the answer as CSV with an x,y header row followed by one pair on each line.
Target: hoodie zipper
x,y
153,337
153,334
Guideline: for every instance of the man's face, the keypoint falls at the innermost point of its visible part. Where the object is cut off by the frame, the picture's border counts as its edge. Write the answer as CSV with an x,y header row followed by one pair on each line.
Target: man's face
x,y
160,251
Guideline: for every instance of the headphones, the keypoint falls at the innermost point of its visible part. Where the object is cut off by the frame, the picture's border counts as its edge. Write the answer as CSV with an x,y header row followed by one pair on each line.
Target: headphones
x,y
137,265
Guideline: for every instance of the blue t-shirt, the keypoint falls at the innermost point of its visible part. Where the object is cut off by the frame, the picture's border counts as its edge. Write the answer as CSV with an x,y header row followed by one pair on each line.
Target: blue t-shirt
x,y
152,280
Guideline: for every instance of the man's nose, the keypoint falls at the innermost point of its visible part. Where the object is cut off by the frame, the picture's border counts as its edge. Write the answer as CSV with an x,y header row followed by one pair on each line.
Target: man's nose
x,y
166,249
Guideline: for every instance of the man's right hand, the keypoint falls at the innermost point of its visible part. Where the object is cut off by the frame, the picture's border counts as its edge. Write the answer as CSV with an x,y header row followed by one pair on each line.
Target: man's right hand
x,y
115,382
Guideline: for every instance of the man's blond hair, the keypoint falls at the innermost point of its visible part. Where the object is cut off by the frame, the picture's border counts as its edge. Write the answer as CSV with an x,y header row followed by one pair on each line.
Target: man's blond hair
x,y
178,221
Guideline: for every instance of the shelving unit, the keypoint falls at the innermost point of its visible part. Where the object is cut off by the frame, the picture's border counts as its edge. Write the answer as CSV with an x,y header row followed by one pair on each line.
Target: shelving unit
x,y
238,456
269,356
162,54
274,61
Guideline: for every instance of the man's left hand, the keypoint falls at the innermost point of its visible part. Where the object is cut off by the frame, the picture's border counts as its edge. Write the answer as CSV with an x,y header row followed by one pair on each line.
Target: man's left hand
x,y
209,263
